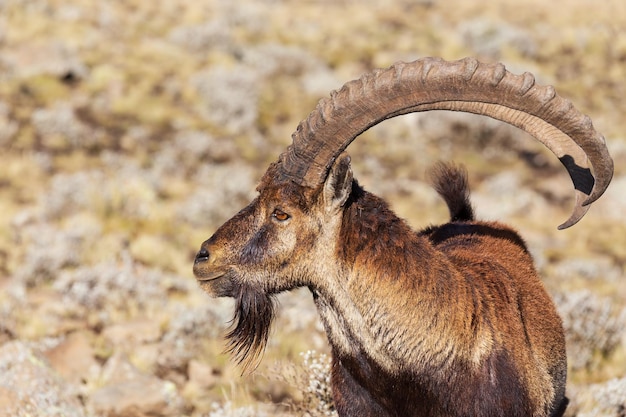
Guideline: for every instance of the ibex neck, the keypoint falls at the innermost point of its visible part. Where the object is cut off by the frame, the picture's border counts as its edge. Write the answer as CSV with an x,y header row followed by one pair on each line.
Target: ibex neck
x,y
388,303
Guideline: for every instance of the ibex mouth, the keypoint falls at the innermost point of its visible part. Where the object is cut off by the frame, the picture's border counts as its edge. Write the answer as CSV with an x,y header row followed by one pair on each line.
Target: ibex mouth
x,y
205,273
216,282
211,276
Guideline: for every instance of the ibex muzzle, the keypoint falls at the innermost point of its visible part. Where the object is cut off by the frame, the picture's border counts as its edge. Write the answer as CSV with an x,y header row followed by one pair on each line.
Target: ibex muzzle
x,y
448,321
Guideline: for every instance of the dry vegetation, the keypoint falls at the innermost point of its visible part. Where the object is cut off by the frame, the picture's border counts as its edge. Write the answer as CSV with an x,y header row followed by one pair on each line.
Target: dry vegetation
x,y
130,130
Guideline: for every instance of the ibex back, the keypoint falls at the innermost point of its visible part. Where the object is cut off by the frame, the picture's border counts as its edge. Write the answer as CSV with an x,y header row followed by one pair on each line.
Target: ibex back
x,y
449,321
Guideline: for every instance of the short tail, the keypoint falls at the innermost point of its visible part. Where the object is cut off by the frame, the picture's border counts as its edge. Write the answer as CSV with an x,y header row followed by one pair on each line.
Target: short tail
x,y
450,181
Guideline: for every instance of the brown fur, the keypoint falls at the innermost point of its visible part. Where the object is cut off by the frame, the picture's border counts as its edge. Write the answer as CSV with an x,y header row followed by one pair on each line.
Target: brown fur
x,y
450,181
450,321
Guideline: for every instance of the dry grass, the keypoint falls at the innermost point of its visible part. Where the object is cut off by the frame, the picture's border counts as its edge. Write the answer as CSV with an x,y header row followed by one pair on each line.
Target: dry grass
x,y
130,130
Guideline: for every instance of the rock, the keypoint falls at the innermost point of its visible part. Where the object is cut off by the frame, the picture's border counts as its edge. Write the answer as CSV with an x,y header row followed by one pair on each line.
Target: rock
x,y
201,374
49,57
128,392
74,358
146,357
9,401
133,333
201,380
30,387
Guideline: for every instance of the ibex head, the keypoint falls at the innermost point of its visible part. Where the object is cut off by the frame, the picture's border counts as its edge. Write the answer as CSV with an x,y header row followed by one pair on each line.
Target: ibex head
x,y
289,235
276,243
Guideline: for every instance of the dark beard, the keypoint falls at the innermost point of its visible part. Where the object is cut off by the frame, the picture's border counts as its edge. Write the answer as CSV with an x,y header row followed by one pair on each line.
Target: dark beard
x,y
254,313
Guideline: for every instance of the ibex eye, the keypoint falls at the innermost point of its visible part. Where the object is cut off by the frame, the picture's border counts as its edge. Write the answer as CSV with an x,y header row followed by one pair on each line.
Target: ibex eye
x,y
280,215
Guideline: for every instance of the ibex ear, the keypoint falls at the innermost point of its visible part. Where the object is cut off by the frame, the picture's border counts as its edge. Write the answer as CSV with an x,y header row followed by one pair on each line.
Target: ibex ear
x,y
338,184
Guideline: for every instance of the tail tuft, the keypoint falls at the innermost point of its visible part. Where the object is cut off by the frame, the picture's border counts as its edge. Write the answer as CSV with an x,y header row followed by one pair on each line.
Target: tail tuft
x,y
450,181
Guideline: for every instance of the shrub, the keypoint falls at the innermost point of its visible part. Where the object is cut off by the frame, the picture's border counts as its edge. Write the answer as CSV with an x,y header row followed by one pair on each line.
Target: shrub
x,y
318,392
607,399
111,288
229,97
48,250
227,410
222,189
593,326
187,330
311,379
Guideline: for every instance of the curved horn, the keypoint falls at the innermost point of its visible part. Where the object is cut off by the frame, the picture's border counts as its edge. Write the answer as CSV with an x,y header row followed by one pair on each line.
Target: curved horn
x,y
465,85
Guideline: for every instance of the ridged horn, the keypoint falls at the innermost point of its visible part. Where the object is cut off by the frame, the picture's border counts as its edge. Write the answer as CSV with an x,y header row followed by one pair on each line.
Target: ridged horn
x,y
465,85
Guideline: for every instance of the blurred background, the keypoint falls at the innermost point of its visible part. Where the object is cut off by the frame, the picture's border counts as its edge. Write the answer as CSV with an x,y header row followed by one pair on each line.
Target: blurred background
x,y
130,130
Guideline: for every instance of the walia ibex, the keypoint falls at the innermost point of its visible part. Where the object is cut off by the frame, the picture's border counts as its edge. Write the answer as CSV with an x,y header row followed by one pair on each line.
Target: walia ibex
x,y
449,321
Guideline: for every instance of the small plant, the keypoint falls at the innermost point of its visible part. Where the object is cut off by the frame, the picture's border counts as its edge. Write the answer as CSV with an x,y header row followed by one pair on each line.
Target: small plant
x,y
593,327
612,397
318,392
311,380
227,410
607,399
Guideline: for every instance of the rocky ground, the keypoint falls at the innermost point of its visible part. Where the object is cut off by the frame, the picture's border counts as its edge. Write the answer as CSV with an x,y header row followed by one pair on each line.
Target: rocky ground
x,y
130,130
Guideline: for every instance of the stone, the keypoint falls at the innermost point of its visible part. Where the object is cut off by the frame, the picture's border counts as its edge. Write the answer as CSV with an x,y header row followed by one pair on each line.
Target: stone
x,y
133,333
74,358
30,387
201,374
127,392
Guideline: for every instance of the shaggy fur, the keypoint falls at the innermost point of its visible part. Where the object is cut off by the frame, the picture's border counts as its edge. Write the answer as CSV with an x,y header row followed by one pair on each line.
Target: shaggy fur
x,y
451,311
450,181
254,314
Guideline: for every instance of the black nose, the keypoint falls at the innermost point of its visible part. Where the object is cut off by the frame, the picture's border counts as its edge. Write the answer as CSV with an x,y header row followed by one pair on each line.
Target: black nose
x,y
202,256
